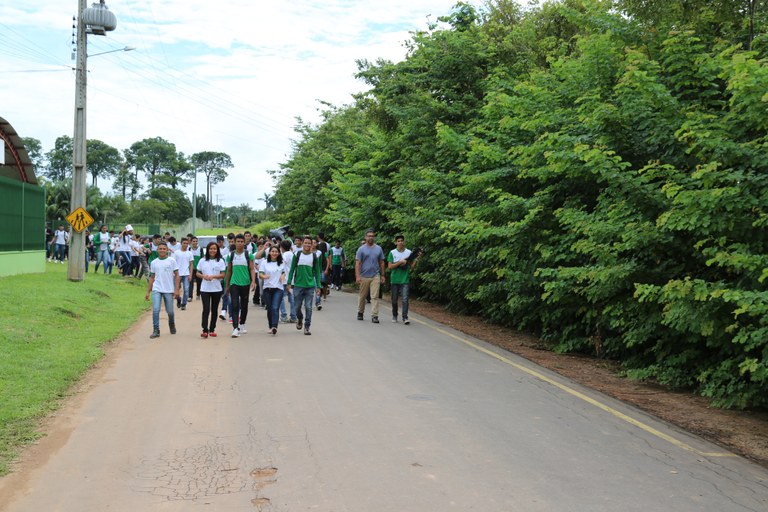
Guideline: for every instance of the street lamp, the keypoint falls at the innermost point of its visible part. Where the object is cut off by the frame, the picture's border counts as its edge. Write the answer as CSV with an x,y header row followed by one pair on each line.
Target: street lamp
x,y
126,49
93,20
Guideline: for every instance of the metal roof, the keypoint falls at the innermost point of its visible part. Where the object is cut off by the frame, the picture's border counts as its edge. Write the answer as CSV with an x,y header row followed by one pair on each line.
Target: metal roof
x,y
18,165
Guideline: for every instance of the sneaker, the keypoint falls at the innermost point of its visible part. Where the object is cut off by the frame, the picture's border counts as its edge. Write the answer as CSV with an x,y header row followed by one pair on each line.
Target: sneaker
x,y
243,330
203,334
284,320
212,334
223,315
306,332
236,333
360,316
319,307
299,323
155,334
406,321
274,330
172,328
394,319
183,307
375,319
229,321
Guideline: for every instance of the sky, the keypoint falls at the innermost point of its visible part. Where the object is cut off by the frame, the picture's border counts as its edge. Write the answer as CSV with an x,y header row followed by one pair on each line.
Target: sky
x,y
229,76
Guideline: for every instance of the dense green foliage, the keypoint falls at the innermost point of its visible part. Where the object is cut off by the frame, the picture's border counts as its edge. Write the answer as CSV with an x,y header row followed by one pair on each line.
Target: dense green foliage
x,y
590,171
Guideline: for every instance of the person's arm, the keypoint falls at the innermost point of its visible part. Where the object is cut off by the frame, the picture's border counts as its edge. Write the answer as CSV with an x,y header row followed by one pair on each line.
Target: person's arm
x,y
149,285
357,271
192,266
252,268
294,261
177,280
227,276
390,263
381,266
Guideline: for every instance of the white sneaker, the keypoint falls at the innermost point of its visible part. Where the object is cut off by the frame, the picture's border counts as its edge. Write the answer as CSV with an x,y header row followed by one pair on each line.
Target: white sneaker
x,y
236,333
243,330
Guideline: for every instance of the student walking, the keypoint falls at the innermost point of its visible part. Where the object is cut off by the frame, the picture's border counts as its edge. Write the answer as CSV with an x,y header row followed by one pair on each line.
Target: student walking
x,y
369,274
338,262
185,259
400,264
194,282
272,272
60,240
210,271
164,287
101,241
240,280
287,254
305,278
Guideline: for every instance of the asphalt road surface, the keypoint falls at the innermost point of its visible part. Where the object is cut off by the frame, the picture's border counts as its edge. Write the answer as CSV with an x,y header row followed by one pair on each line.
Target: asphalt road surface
x,y
358,418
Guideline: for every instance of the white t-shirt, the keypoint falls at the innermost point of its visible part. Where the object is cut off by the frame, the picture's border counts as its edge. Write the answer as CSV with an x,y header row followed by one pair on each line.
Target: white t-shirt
x,y
183,258
273,272
124,243
211,268
164,271
135,247
224,251
287,259
60,237
175,247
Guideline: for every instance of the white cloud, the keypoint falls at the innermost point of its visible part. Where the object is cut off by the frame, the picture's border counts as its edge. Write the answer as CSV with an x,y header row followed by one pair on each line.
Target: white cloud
x,y
220,76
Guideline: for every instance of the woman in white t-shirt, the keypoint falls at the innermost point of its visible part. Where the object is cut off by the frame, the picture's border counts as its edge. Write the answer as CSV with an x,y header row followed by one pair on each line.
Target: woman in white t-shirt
x,y
272,272
210,270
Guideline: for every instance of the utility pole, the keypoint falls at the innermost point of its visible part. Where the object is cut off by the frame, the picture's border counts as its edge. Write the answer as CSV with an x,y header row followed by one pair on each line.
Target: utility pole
x,y
95,20
76,268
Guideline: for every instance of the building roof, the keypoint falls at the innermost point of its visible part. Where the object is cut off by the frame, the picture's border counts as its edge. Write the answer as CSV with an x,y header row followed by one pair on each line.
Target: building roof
x,y
17,164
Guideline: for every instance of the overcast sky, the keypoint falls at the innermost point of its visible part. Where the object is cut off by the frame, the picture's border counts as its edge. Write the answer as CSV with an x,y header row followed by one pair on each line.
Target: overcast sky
x,y
229,76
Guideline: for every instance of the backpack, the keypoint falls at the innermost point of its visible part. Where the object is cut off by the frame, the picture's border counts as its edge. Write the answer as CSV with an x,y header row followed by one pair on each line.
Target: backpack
x,y
229,263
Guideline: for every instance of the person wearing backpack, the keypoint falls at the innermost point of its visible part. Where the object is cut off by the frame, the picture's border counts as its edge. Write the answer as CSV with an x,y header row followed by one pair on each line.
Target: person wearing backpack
x,y
338,262
240,281
304,277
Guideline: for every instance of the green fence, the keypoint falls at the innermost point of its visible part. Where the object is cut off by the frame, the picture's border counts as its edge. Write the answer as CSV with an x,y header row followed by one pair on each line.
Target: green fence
x,y
22,216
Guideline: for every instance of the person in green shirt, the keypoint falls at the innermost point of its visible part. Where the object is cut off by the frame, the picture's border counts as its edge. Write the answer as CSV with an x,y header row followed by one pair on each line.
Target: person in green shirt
x,y
240,280
197,253
304,278
400,267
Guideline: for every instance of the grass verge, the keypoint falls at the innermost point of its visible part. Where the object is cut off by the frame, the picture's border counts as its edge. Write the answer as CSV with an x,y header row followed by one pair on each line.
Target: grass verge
x,y
51,331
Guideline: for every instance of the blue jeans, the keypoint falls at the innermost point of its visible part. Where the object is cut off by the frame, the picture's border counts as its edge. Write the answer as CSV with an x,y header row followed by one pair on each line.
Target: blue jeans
x,y
105,258
305,296
185,287
291,305
61,250
273,298
157,299
402,291
126,265
87,259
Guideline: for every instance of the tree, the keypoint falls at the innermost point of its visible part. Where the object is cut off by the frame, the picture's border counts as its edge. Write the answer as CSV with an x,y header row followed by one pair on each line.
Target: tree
x,y
178,208
153,157
212,164
126,183
178,173
35,151
60,159
57,196
102,160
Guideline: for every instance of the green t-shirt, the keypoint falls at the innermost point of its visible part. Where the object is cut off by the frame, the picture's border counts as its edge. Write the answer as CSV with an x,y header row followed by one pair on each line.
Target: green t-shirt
x,y
197,254
399,275
337,253
241,274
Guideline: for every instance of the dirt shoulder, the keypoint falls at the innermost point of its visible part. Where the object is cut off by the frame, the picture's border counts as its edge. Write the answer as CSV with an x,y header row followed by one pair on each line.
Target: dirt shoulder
x,y
742,432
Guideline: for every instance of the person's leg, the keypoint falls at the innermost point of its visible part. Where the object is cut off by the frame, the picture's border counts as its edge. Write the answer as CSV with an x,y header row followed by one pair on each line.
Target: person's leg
x,y
394,293
298,297
308,307
375,285
206,310
244,292
277,300
404,294
225,303
266,295
185,290
283,311
168,298
156,300
234,296
292,304
111,260
87,259
215,299
365,288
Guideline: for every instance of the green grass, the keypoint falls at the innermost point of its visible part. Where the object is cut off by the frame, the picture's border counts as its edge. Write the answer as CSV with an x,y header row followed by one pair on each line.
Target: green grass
x,y
51,331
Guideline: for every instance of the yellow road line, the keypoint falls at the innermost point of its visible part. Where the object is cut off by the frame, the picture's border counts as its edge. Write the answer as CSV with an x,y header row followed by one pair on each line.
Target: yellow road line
x,y
577,394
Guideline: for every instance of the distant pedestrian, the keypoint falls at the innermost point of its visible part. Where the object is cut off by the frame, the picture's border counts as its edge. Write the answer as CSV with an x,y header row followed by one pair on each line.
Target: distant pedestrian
x,y
60,240
272,272
400,264
304,276
240,281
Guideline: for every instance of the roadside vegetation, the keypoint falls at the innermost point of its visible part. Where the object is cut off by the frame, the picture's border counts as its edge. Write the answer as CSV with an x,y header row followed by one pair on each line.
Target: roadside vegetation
x,y
52,331
589,171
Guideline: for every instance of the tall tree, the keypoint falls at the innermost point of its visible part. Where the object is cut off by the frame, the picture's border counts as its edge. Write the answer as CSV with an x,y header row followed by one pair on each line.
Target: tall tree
x,y
35,151
102,160
213,166
153,157
178,174
126,183
60,159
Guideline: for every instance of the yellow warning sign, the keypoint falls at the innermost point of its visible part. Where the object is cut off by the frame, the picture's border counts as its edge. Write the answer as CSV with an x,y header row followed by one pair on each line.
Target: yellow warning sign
x,y
79,219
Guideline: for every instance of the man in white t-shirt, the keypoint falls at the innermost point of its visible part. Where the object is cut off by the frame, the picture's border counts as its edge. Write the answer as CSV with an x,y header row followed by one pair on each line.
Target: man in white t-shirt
x,y
287,252
164,287
184,258
60,241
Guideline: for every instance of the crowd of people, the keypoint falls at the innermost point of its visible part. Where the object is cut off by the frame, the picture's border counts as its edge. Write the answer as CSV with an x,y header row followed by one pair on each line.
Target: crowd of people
x,y
290,277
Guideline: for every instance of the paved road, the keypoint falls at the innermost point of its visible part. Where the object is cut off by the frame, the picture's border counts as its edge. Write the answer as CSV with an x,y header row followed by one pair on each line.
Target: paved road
x,y
359,418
